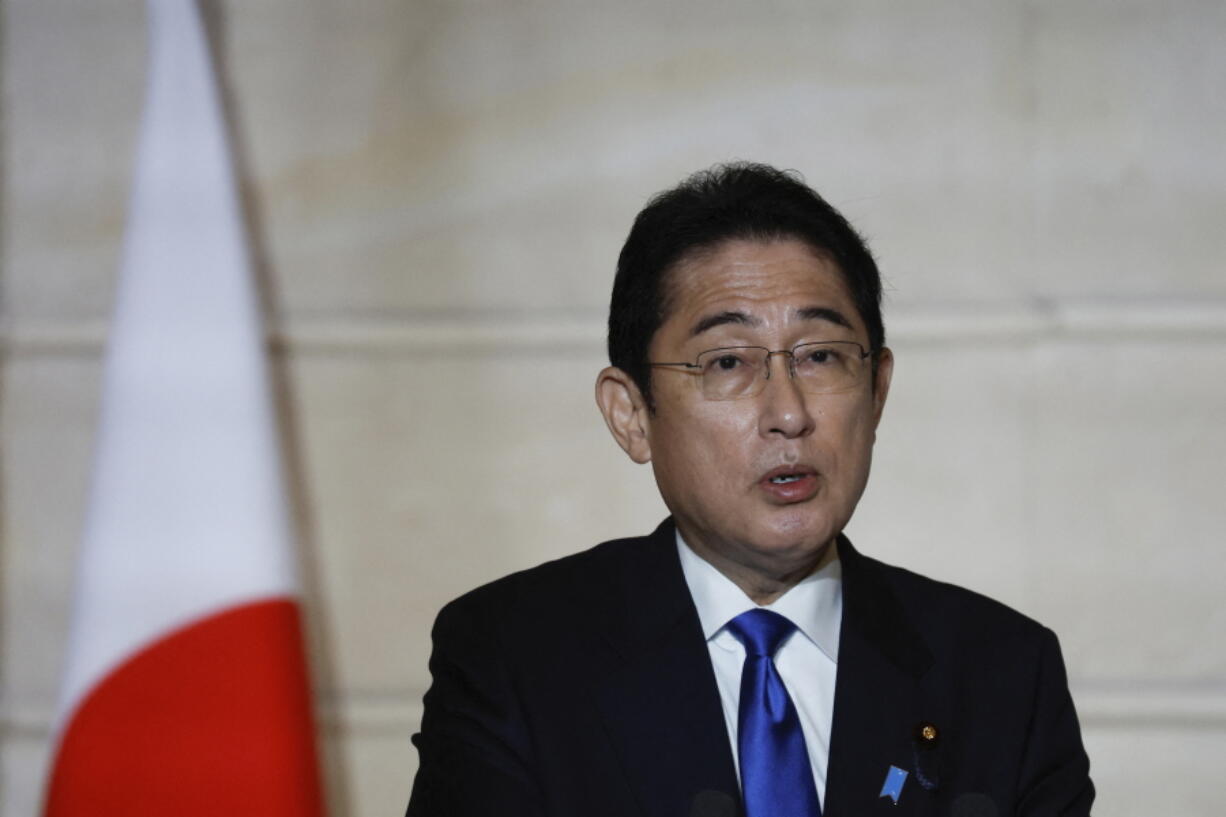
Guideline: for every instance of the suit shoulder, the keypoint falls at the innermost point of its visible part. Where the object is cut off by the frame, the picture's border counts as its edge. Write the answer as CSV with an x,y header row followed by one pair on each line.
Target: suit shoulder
x,y
958,611
607,564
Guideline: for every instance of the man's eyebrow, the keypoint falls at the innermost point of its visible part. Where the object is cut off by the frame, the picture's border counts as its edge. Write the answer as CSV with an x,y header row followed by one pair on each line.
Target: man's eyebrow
x,y
824,313
721,318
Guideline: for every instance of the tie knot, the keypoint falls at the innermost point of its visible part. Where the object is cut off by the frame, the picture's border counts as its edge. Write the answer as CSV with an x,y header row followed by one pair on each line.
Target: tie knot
x,y
761,631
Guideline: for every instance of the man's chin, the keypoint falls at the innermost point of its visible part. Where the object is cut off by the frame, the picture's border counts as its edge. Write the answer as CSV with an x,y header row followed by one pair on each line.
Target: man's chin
x,y
784,537
792,542
796,527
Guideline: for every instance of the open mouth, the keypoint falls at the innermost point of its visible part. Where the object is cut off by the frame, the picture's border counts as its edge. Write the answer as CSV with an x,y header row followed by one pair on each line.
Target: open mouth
x,y
791,483
786,474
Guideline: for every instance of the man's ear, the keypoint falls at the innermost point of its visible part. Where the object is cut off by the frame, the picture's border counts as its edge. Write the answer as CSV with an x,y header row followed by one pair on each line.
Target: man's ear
x,y
625,412
881,382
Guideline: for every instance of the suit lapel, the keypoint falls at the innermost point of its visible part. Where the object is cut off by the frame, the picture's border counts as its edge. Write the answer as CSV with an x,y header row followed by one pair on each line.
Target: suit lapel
x,y
659,699
661,708
878,702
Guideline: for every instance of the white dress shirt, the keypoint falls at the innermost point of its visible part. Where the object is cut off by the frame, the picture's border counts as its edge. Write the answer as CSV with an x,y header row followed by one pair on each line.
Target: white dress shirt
x,y
807,660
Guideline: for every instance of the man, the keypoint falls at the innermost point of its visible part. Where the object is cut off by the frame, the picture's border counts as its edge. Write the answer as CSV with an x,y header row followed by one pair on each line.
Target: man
x,y
744,658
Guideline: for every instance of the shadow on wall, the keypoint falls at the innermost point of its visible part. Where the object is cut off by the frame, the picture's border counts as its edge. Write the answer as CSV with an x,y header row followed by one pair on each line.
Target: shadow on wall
x,y
4,368
317,633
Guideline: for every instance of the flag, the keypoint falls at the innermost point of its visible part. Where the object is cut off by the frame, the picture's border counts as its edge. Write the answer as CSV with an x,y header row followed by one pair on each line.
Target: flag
x,y
185,689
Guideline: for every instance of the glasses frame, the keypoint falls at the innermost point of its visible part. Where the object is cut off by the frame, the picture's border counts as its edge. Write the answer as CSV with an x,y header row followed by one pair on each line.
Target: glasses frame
x,y
770,353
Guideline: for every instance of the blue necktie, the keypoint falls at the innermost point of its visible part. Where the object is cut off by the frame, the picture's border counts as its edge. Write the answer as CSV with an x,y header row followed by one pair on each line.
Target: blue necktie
x,y
776,778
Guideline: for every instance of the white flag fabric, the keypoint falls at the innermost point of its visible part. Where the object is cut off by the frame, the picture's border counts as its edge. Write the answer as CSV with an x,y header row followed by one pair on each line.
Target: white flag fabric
x,y
185,689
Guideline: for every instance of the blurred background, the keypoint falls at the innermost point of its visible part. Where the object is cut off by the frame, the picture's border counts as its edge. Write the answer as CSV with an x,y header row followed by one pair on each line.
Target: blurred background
x,y
437,192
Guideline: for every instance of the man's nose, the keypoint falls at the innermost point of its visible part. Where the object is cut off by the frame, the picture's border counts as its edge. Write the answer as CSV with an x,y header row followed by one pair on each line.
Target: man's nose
x,y
784,410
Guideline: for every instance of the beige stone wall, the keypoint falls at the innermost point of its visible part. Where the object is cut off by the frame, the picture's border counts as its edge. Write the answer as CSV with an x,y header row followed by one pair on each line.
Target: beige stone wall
x,y
439,190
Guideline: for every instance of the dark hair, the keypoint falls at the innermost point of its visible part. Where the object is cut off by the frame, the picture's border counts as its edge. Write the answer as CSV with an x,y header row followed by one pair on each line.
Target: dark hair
x,y
733,201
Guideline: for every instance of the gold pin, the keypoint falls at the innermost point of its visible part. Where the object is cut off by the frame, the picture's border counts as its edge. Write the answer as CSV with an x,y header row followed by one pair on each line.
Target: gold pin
x,y
927,732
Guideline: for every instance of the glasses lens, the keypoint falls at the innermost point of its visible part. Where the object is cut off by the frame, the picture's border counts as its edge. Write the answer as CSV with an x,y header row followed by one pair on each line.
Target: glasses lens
x,y
828,367
731,373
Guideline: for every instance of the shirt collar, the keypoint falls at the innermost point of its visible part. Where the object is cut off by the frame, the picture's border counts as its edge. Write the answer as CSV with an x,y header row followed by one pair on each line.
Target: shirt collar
x,y
814,605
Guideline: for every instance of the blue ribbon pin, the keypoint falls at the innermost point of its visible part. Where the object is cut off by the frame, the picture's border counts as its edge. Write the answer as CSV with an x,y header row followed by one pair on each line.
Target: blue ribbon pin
x,y
894,779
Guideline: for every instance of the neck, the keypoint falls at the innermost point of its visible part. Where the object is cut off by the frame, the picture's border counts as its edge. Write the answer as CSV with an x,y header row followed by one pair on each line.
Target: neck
x,y
762,580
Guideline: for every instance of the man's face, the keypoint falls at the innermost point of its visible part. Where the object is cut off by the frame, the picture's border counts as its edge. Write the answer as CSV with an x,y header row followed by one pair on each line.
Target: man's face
x,y
760,483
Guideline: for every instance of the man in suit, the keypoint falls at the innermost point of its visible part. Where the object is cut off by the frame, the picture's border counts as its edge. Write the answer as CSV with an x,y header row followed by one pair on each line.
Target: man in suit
x,y
744,658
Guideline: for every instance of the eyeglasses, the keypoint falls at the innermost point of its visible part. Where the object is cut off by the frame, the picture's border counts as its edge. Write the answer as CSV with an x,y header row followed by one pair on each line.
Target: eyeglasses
x,y
733,372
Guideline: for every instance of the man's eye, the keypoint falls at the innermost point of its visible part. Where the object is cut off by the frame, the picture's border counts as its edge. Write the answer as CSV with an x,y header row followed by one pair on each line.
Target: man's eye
x,y
727,362
820,356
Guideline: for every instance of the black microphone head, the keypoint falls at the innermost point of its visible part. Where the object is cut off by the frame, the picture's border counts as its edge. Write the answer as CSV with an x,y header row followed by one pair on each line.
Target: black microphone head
x,y
710,803
973,805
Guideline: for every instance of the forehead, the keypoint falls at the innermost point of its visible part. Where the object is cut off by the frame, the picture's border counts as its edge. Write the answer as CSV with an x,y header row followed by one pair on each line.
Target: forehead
x,y
757,277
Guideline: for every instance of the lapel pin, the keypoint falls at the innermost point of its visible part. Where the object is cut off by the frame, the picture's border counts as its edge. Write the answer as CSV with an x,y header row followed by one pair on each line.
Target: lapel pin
x,y
925,744
894,779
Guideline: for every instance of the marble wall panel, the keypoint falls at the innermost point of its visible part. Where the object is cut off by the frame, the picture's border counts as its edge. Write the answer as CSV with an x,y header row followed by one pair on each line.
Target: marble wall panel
x,y
73,80
1129,160
948,496
494,158
47,408
23,764
380,770
1130,460
1125,763
431,474
47,419
410,156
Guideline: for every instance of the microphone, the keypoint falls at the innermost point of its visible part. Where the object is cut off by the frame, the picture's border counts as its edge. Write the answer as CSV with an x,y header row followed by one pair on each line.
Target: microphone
x,y
709,803
973,805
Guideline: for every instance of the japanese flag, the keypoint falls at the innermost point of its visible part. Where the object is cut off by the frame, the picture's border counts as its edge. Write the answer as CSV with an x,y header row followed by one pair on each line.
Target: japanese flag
x,y
186,689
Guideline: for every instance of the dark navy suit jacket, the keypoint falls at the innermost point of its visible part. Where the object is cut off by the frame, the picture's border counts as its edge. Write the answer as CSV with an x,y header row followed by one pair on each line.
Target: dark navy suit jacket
x,y
583,688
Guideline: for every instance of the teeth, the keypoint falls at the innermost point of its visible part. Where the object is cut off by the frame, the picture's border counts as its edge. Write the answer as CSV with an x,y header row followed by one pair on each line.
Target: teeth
x,y
785,479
